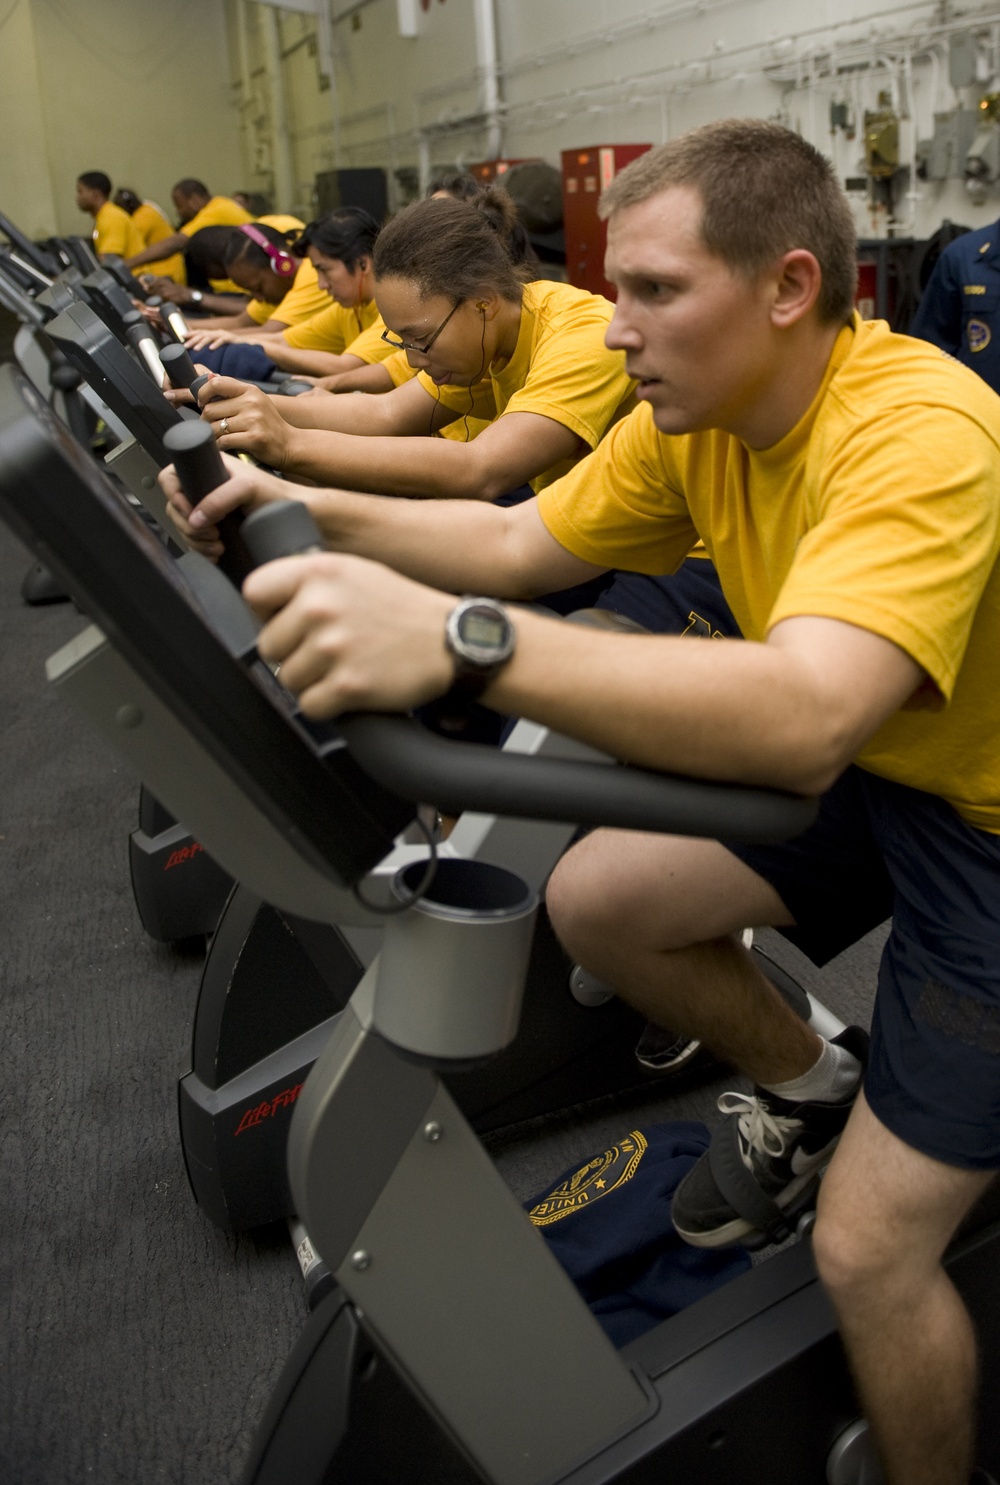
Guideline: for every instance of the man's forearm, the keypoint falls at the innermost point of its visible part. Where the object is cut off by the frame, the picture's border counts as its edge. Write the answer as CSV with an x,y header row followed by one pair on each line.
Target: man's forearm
x,y
235,324
457,546
432,467
157,250
312,362
670,703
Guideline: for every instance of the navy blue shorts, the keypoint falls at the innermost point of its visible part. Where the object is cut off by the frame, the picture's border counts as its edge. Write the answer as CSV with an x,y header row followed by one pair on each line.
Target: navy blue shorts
x,y
248,363
881,850
688,601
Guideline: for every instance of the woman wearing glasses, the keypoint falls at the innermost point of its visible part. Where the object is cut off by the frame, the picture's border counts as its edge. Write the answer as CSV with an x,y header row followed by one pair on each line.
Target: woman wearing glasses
x,y
528,357
339,249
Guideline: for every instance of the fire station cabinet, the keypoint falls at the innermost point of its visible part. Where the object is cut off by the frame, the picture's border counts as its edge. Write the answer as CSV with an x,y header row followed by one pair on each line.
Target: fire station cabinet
x,y
585,174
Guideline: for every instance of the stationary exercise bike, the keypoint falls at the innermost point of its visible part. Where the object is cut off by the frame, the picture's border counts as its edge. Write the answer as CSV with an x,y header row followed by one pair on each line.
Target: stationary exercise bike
x,y
275,988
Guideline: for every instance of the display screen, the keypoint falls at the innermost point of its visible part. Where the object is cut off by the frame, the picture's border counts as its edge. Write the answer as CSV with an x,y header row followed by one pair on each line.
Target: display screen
x,y
481,628
108,367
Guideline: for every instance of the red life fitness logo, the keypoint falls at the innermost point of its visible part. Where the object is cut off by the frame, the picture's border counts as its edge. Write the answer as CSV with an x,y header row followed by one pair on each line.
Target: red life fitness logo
x,y
269,1108
186,853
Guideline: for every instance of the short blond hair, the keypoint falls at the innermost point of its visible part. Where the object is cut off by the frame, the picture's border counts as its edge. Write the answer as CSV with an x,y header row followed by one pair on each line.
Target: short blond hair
x,y
764,192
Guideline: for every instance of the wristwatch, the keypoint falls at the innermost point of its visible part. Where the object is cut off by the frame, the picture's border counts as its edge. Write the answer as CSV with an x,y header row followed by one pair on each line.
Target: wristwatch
x,y
195,296
480,638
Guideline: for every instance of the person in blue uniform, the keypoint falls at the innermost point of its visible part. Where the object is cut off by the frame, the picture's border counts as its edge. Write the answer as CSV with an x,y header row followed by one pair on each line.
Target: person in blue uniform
x,y
960,310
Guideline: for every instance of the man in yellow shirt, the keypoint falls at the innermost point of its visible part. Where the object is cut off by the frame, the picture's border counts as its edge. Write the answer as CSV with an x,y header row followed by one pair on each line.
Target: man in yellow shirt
x,y
113,229
196,208
844,480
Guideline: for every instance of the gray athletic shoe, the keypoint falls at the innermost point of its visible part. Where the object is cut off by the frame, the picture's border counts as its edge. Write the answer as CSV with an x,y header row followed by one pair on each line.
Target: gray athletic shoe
x,y
763,1165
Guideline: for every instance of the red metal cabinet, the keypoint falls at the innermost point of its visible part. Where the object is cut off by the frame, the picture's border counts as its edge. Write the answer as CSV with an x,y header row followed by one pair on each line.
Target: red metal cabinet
x,y
585,174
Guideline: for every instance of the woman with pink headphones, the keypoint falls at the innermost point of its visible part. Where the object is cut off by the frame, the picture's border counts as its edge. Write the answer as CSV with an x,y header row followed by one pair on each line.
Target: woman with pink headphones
x,y
264,258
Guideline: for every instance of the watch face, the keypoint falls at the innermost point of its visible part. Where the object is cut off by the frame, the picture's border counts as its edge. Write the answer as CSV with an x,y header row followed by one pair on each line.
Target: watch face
x,y
481,634
479,627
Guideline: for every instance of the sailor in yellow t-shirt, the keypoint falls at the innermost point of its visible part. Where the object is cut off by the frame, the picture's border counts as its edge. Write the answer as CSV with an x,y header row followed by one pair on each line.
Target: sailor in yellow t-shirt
x,y
845,481
113,229
262,258
338,248
283,297
151,227
528,358
196,208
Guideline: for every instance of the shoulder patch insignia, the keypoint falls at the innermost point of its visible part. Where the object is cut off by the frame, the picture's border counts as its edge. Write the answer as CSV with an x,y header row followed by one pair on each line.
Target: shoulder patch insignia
x,y
973,288
979,335
599,1177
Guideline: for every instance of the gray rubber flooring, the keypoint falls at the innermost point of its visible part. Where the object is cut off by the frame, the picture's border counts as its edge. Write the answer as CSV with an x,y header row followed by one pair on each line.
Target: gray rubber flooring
x,y
139,1344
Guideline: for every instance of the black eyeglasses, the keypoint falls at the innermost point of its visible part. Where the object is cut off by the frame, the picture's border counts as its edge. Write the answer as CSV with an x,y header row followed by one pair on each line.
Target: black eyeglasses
x,y
406,345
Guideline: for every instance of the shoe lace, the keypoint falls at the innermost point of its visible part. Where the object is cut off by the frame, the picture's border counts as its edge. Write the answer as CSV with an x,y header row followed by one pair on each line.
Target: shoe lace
x,y
759,1129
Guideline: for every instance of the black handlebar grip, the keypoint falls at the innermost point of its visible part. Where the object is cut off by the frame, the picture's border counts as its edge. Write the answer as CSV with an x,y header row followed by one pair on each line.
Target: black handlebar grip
x,y
139,333
283,529
191,444
178,366
154,301
196,458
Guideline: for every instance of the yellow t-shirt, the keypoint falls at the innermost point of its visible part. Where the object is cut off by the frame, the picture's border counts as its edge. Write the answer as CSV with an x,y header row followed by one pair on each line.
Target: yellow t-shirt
x,y
282,222
371,348
304,299
399,368
152,227
560,368
879,508
221,211
334,329
114,232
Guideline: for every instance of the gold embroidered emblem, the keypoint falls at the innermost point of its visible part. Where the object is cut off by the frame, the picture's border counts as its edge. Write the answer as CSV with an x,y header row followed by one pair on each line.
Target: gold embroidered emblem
x,y
599,1177
701,628
973,288
979,335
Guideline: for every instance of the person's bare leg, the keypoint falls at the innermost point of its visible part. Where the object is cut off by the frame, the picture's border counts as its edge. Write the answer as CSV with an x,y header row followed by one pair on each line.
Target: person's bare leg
x,y
655,916
886,1214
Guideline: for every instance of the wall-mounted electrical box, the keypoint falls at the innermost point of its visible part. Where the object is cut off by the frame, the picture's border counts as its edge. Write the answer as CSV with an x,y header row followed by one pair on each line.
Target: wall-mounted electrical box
x,y
982,161
585,174
962,59
942,157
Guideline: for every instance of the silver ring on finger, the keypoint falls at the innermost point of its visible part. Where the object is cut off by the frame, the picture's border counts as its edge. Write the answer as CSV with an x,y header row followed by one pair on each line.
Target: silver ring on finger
x,y
224,427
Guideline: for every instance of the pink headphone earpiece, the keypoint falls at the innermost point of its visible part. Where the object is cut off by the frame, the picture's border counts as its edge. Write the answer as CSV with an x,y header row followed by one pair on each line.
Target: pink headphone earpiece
x,y
281,261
